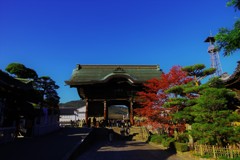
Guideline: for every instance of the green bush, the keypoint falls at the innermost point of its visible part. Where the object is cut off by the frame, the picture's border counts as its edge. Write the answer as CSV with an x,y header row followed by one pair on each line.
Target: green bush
x,y
157,138
182,138
182,147
166,142
161,139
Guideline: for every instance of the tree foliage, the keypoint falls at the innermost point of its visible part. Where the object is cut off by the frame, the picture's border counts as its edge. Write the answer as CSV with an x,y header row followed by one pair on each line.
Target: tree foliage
x,y
198,72
229,39
20,71
213,120
234,3
208,108
153,97
47,86
209,112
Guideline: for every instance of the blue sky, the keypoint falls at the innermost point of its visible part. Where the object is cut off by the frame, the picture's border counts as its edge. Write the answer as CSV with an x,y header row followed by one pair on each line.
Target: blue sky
x,y
52,36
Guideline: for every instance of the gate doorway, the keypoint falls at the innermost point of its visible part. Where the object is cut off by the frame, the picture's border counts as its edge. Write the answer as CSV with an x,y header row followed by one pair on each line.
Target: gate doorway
x,y
118,112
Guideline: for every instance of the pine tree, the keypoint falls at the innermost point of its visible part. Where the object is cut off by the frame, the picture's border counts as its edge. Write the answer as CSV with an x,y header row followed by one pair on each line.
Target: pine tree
x,y
207,108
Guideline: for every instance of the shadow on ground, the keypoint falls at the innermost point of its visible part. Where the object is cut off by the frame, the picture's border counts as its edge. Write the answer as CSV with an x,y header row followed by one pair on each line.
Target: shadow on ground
x,y
53,146
122,148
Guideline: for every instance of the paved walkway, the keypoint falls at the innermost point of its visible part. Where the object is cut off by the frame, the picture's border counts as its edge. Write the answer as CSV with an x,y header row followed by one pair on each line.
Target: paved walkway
x,y
60,144
54,146
128,150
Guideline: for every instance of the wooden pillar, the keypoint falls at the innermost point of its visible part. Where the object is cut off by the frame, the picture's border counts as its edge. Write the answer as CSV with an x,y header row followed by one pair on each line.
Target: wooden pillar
x,y
105,110
105,113
131,117
86,113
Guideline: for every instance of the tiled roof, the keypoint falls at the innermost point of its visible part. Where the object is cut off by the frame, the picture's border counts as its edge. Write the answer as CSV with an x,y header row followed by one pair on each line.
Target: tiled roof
x,y
10,82
18,88
234,80
88,74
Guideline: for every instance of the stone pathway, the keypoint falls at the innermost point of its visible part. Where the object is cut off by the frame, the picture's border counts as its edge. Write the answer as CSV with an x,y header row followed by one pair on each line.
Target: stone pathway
x,y
55,146
128,150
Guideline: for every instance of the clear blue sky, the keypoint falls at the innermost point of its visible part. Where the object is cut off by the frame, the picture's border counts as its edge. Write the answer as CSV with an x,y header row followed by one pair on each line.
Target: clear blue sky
x,y
52,36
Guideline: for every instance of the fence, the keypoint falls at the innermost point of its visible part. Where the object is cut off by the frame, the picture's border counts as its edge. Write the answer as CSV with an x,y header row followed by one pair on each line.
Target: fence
x,y
217,152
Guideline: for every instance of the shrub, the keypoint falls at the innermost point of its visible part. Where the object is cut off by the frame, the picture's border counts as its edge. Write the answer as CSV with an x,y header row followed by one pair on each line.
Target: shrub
x,y
182,138
182,147
156,138
166,142
161,139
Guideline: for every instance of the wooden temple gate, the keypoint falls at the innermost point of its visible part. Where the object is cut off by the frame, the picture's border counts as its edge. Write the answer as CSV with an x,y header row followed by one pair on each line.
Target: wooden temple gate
x,y
103,105
101,86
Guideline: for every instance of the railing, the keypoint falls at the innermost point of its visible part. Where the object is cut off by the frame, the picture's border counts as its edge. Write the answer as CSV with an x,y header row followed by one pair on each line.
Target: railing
x,y
217,152
7,134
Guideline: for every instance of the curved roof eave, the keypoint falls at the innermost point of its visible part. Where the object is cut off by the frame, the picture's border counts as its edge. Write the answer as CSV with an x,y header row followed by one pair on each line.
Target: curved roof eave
x,y
74,84
130,78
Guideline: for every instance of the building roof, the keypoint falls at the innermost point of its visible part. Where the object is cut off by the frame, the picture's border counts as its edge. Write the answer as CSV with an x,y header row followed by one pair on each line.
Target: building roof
x,y
10,82
234,80
15,87
89,74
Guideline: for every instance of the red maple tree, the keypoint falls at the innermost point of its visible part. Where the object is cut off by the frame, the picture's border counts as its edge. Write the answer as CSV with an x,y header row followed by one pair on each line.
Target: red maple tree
x,y
153,97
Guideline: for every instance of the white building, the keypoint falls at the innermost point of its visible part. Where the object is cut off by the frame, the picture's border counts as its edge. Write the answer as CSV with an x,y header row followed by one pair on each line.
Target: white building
x,y
68,114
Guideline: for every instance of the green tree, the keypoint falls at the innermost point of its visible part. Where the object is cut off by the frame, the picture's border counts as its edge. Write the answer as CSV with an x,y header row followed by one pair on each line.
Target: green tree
x,y
47,86
198,72
235,3
229,39
20,71
208,109
213,120
185,95
44,85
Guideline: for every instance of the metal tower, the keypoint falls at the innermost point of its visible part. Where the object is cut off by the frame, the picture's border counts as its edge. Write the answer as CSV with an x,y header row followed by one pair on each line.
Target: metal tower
x,y
215,60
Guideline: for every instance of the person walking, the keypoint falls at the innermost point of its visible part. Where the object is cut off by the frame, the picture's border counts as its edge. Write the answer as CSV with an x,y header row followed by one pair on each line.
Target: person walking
x,y
127,131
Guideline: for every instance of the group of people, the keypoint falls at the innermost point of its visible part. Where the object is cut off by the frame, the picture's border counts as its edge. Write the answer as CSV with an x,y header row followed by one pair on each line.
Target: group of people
x,y
119,123
93,122
124,125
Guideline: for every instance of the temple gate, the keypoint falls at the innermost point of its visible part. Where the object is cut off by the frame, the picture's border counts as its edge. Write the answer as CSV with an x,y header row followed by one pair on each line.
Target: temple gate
x,y
102,86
